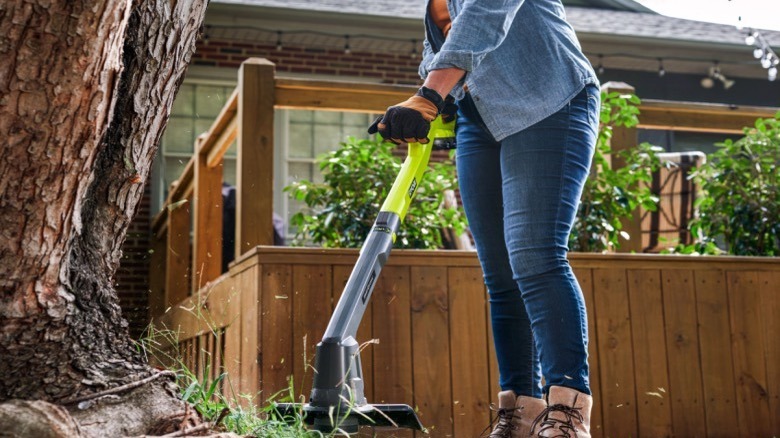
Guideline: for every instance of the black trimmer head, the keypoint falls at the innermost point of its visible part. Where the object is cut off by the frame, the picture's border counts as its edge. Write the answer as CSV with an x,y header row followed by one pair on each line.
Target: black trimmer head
x,y
327,420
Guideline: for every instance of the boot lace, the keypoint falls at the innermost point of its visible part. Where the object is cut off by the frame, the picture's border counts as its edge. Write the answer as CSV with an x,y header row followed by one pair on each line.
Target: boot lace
x,y
566,427
503,427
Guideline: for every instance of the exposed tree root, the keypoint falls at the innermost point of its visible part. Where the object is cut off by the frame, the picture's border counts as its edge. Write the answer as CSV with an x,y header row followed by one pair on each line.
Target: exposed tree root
x,y
147,408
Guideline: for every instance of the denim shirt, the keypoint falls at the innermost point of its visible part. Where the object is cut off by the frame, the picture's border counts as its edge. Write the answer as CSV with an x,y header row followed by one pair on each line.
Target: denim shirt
x,y
522,59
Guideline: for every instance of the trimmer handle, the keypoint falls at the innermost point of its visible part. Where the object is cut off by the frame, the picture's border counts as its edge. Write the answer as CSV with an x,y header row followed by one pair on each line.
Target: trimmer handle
x,y
442,134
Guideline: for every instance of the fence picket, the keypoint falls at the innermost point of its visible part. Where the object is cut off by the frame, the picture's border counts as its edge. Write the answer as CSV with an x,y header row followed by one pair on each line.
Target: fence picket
x,y
613,324
650,358
717,368
749,361
468,346
430,330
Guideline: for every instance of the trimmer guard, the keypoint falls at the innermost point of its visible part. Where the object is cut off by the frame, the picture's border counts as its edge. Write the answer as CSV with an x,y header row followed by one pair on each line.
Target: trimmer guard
x,y
393,416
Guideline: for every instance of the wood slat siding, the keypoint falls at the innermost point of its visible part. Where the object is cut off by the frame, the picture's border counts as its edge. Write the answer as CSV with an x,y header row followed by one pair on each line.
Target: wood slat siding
x,y
679,346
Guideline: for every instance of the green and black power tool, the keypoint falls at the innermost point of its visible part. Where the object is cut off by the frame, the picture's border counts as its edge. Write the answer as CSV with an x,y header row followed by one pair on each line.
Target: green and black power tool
x,y
337,398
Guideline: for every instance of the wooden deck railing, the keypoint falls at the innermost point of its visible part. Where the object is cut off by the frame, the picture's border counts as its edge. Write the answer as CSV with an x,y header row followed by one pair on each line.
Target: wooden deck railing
x,y
699,328
187,256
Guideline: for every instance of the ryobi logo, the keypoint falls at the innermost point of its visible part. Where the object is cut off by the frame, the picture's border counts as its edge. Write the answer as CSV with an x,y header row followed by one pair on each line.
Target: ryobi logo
x,y
412,187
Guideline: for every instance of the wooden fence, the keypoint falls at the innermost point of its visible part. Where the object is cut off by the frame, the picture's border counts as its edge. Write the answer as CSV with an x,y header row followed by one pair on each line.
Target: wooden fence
x,y
679,346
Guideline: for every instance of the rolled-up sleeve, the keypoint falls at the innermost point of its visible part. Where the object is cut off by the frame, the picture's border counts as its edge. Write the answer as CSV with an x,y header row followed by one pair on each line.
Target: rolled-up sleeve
x,y
479,28
427,57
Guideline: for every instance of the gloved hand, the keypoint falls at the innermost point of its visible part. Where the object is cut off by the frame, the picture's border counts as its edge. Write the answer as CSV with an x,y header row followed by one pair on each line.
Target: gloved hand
x,y
450,110
410,120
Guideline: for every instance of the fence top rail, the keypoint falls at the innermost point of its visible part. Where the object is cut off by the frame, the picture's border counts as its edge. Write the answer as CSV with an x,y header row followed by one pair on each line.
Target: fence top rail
x,y
460,258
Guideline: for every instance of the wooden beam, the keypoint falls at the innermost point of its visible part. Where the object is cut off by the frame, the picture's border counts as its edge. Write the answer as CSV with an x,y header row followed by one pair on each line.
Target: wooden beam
x,y
701,117
254,167
339,96
207,236
222,143
177,285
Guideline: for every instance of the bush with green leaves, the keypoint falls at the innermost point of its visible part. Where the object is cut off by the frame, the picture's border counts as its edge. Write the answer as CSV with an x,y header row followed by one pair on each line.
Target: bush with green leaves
x,y
739,206
612,194
356,179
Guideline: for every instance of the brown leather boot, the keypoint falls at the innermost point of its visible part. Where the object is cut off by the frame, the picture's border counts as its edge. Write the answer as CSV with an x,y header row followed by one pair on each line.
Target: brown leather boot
x,y
567,414
516,415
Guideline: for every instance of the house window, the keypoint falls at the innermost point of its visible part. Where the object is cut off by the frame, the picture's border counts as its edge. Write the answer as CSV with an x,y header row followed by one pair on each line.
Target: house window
x,y
196,107
301,136
308,135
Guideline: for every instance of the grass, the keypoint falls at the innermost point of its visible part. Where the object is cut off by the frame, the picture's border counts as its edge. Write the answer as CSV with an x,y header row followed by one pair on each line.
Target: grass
x,y
215,399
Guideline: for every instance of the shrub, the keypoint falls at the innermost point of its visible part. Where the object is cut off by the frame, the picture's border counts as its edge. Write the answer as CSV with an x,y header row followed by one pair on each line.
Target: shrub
x,y
357,178
611,195
740,202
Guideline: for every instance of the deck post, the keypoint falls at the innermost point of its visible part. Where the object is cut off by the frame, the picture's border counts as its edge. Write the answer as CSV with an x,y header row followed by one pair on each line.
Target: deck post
x,y
178,254
254,168
207,225
625,139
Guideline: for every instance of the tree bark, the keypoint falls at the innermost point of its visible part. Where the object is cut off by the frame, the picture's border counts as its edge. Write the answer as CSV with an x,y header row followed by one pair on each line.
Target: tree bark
x,y
85,92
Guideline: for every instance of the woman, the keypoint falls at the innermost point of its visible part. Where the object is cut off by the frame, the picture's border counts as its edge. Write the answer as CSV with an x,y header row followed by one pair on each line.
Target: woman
x,y
528,114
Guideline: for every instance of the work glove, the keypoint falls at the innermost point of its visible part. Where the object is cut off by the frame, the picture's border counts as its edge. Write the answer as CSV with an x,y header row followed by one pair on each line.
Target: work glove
x,y
450,110
410,120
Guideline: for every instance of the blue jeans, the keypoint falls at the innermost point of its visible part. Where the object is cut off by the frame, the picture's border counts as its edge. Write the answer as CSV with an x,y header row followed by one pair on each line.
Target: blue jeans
x,y
520,196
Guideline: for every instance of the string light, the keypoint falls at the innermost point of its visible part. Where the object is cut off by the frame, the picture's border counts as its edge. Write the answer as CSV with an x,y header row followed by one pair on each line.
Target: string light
x,y
763,52
347,49
750,39
206,30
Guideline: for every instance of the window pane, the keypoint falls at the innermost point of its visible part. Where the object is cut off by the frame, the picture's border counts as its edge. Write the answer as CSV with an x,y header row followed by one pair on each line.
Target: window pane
x,y
300,140
202,126
330,117
357,119
229,171
301,116
174,167
184,104
209,100
327,138
299,171
179,135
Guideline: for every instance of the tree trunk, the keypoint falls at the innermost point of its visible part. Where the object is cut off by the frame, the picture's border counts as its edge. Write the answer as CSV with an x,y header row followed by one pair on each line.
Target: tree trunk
x,y
85,92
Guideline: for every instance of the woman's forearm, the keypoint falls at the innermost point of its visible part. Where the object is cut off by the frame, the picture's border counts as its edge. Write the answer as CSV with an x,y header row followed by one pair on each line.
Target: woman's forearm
x,y
443,80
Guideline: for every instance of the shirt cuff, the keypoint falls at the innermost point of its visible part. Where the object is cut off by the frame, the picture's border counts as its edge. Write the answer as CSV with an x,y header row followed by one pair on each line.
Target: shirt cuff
x,y
453,58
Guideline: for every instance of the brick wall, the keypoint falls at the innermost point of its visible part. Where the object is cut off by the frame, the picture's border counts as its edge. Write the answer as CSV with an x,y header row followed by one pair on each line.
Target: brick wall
x,y
132,278
391,68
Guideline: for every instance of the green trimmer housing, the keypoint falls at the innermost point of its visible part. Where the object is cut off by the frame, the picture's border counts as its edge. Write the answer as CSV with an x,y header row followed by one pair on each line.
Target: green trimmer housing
x,y
337,398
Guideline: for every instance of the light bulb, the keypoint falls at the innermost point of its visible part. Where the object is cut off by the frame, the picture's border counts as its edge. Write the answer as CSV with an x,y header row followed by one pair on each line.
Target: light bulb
x,y
766,62
707,82
661,72
750,39
758,53
772,73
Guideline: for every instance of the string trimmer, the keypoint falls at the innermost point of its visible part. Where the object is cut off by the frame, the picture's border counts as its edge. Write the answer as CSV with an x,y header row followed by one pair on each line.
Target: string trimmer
x,y
337,399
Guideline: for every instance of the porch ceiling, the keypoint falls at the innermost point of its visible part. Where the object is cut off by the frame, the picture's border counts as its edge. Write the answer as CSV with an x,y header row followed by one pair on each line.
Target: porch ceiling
x,y
627,40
